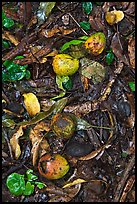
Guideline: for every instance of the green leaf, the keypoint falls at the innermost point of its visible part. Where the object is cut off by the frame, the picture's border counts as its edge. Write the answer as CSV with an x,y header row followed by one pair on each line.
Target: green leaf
x,y
132,85
30,176
87,6
109,58
40,185
124,154
29,189
3,15
68,85
7,22
85,25
72,42
59,82
7,122
5,44
16,184
14,71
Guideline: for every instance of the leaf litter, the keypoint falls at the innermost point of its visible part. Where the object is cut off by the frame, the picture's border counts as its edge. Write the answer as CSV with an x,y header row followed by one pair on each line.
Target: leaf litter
x,y
100,98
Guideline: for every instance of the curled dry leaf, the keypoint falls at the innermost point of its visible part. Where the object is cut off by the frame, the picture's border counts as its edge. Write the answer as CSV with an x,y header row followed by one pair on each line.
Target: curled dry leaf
x,y
131,51
31,103
40,145
14,142
113,17
77,181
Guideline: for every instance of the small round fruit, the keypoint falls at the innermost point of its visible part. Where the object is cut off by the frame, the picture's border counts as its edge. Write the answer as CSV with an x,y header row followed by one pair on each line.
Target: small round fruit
x,y
53,166
65,65
96,43
63,125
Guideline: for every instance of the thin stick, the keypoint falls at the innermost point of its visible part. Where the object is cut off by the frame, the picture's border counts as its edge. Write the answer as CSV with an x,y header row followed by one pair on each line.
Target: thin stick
x,y
78,24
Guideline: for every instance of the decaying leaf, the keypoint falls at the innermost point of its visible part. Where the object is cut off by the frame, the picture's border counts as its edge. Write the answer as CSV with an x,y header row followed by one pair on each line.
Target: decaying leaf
x,y
58,194
92,70
79,109
31,103
8,36
118,49
114,16
101,148
48,33
98,187
40,145
14,142
131,51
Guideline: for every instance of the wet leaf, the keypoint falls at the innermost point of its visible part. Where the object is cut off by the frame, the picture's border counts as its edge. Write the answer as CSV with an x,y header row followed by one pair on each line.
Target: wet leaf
x,y
6,22
72,42
14,72
85,25
55,108
30,176
92,70
7,122
40,185
29,189
14,142
16,184
31,103
109,57
118,50
77,181
87,6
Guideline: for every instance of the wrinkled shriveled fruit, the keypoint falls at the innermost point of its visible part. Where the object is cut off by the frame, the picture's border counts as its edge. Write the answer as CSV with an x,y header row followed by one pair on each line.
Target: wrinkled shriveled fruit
x,y
65,65
53,166
63,125
113,17
96,43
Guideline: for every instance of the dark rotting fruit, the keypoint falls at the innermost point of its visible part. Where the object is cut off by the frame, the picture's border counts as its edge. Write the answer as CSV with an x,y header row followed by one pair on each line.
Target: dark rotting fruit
x,y
63,125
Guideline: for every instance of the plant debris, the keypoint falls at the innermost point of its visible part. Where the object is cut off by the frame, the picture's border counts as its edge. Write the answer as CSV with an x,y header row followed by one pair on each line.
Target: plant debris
x,y
68,102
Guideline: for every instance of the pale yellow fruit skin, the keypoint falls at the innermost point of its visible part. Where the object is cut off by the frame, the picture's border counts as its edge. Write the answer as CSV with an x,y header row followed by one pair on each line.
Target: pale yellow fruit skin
x,y
31,103
65,65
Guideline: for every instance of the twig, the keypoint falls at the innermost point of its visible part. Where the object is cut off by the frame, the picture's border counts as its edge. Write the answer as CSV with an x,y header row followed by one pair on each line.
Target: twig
x,y
78,24
121,184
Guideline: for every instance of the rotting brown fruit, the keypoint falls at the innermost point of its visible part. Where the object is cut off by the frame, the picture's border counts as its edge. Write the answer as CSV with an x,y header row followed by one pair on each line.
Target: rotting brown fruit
x,y
53,166
63,125
65,65
96,43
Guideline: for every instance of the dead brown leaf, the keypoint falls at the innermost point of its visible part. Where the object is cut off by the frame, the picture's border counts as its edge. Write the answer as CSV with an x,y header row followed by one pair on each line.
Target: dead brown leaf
x,y
48,33
14,142
118,49
131,51
40,145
